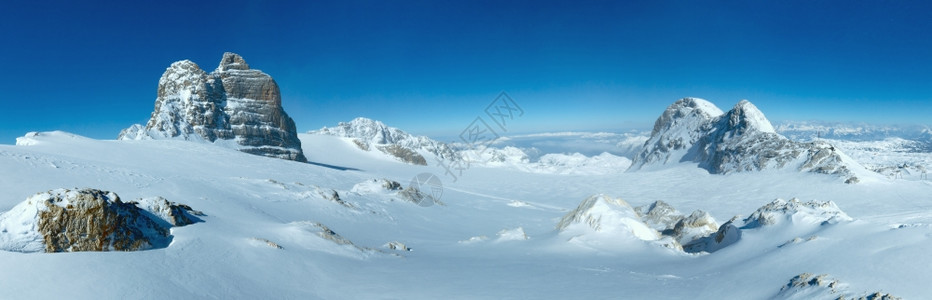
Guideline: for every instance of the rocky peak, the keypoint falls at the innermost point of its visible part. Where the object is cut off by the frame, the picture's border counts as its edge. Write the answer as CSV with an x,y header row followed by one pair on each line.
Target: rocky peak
x,y
745,117
232,103
232,61
685,112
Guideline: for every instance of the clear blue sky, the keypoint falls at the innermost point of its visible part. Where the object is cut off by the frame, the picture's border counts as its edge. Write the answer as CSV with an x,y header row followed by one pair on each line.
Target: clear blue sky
x,y
92,67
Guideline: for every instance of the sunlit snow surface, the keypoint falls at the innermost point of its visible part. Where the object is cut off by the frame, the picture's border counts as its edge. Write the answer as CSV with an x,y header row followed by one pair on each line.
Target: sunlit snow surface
x,y
495,236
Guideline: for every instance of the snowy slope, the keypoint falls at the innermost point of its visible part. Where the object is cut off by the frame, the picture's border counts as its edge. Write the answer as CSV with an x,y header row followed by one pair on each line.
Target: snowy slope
x,y
297,230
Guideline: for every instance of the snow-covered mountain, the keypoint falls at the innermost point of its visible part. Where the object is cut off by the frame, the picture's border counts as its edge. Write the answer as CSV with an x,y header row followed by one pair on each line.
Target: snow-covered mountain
x,y
742,139
233,106
372,135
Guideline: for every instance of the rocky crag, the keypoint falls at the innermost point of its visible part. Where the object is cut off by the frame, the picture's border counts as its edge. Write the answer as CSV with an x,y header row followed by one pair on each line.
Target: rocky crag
x,y
90,220
233,105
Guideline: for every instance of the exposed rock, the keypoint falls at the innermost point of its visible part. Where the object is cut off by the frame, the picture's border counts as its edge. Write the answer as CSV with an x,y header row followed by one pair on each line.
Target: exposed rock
x,y
268,243
376,186
697,225
233,103
330,194
659,215
694,130
413,194
726,235
810,286
174,214
396,245
794,211
80,220
404,154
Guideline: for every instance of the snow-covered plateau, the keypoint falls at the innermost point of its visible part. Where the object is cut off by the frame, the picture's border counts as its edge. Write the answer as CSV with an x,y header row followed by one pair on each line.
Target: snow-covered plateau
x,y
347,225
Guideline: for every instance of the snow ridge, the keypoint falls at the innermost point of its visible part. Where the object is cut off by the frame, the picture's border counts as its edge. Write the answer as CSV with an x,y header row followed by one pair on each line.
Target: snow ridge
x,y
370,134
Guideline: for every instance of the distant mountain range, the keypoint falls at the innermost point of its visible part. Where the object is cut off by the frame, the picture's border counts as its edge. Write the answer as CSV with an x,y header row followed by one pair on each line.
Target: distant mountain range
x,y
810,130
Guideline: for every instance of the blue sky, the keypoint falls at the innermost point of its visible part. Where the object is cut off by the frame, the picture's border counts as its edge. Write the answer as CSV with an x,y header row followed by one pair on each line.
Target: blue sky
x,y
431,67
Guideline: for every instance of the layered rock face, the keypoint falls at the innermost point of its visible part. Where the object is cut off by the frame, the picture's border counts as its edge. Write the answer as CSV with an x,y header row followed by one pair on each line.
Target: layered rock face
x,y
233,103
742,139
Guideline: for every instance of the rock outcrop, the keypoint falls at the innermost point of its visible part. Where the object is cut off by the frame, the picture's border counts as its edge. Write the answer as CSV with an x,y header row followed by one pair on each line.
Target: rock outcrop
x,y
793,213
80,220
233,105
823,286
174,214
659,215
742,139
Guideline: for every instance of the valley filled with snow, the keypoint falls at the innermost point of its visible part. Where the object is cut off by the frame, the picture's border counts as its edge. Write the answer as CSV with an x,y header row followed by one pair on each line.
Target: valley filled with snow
x,y
347,225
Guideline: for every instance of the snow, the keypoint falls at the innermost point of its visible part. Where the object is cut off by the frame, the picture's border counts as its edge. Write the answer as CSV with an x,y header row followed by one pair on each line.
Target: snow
x,y
473,246
754,117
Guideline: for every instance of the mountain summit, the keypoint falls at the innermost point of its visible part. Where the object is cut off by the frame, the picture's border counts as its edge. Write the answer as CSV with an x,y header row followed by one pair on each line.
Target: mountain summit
x,y
742,139
233,103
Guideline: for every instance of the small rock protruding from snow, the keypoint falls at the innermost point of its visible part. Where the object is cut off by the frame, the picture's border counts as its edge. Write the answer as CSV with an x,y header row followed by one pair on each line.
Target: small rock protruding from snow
x,y
726,235
745,117
515,234
796,212
823,287
393,189
175,214
396,245
373,186
697,225
231,104
330,194
268,243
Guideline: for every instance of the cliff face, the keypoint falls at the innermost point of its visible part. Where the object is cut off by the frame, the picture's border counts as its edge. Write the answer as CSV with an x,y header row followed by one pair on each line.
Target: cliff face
x,y
232,103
